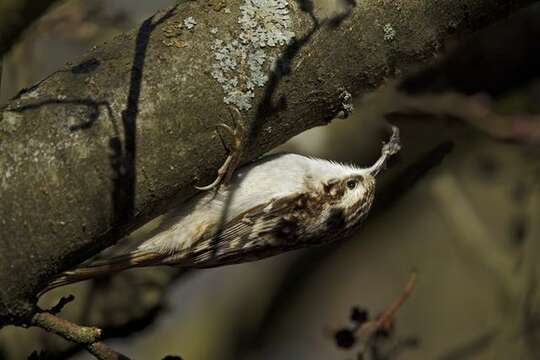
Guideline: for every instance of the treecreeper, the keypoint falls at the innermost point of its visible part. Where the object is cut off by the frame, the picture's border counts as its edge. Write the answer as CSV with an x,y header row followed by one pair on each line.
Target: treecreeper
x,y
277,203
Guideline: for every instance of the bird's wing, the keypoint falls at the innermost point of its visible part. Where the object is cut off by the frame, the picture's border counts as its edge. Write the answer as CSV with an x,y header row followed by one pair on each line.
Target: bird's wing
x,y
240,206
252,188
263,227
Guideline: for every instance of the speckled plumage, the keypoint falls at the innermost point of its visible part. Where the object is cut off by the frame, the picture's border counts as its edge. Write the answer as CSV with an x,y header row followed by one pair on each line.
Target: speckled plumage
x,y
275,204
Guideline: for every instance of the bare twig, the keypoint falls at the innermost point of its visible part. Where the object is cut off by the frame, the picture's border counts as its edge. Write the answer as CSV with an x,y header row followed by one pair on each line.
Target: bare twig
x,y
386,319
388,315
64,300
476,110
371,334
88,337
66,329
83,335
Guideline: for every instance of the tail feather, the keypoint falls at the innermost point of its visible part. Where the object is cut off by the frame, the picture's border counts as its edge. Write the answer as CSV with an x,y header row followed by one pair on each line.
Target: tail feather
x,y
113,265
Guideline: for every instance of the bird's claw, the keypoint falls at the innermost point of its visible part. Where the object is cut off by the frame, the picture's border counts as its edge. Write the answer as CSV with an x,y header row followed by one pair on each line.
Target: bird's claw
x,y
226,170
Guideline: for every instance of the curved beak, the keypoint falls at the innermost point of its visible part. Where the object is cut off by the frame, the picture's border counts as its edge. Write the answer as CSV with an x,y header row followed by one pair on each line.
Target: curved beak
x,y
389,149
376,168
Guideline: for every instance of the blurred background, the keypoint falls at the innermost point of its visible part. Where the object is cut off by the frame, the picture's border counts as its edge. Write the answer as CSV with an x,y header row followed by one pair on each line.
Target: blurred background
x,y
468,227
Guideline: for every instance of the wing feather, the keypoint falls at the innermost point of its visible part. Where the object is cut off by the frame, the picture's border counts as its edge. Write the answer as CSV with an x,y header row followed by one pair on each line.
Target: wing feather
x,y
255,229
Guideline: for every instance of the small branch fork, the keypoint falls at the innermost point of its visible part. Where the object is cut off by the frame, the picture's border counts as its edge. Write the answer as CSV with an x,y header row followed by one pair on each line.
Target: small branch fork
x,y
88,337
368,332
386,319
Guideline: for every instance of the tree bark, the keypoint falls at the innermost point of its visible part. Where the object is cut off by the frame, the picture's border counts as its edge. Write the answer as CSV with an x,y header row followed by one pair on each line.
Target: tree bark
x,y
104,145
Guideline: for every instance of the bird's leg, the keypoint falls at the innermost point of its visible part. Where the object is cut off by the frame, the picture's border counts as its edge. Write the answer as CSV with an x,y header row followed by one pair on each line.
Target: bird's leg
x,y
235,154
226,170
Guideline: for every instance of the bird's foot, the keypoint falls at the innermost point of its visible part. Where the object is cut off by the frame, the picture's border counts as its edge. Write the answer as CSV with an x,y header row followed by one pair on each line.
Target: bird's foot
x,y
228,168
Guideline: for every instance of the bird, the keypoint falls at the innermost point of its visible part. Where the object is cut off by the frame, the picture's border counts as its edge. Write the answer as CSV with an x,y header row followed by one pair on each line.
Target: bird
x,y
277,203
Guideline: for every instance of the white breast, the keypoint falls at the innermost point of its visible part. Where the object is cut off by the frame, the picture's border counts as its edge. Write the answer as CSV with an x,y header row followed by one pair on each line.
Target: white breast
x,y
268,178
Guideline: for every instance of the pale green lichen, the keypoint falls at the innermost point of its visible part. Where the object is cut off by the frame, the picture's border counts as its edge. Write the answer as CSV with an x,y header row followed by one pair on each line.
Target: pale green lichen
x,y
243,63
389,32
346,103
190,22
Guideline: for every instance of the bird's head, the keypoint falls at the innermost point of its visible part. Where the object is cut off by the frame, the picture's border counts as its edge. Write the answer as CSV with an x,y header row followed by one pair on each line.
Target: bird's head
x,y
349,197
354,188
347,190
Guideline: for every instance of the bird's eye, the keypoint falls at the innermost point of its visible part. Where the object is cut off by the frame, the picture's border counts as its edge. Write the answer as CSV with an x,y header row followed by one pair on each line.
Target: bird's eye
x,y
351,184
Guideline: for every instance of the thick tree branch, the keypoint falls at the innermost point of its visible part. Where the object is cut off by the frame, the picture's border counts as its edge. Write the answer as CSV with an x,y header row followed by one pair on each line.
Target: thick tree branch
x,y
103,145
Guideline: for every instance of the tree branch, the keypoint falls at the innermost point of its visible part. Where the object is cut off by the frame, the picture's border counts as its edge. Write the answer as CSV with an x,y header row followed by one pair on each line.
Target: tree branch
x,y
83,335
87,337
102,146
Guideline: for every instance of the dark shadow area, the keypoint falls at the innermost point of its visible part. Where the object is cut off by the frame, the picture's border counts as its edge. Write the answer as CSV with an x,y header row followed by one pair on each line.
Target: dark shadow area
x,y
124,155
86,67
308,7
133,326
123,162
409,177
93,105
137,287
474,348
480,64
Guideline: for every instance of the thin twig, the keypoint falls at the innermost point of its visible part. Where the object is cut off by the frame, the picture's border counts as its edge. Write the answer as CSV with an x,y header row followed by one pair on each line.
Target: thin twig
x,y
387,317
64,300
66,329
385,320
83,335
477,110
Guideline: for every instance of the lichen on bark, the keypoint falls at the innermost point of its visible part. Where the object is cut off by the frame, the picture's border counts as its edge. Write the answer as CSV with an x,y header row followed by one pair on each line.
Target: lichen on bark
x,y
105,143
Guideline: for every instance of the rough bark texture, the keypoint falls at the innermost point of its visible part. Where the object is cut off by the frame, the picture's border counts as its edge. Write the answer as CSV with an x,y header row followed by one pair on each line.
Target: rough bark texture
x,y
104,144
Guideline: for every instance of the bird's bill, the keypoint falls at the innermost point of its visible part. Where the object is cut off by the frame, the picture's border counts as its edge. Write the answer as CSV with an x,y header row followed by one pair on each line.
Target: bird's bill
x,y
376,168
389,149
